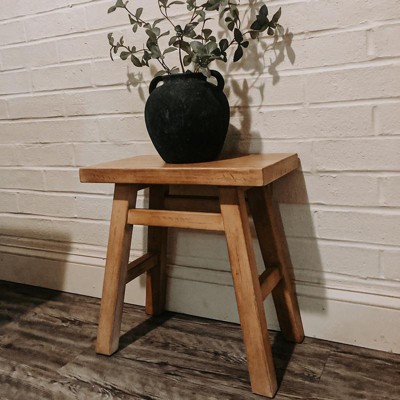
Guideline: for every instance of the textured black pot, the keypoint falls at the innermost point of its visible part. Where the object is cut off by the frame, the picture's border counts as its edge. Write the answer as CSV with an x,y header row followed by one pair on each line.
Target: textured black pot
x,y
187,117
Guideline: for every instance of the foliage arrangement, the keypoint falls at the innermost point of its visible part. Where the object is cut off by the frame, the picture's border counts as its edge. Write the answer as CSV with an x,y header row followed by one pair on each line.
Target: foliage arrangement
x,y
196,44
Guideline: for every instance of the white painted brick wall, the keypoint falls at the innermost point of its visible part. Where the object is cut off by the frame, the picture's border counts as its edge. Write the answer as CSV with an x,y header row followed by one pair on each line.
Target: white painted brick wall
x,y
335,101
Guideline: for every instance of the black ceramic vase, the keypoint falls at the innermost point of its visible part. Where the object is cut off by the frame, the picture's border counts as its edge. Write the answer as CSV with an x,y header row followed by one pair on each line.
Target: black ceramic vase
x,y
187,117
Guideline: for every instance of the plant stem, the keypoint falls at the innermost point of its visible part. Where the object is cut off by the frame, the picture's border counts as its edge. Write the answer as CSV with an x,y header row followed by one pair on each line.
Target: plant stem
x,y
180,55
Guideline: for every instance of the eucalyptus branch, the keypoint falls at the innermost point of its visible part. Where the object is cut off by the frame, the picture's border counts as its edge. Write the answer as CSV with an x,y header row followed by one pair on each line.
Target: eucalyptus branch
x,y
201,48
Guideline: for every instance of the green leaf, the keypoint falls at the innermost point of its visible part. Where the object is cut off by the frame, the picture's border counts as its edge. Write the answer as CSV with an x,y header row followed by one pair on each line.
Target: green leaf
x,y
110,39
124,55
264,10
254,34
185,46
157,21
120,4
238,35
175,2
172,40
207,33
211,46
223,44
276,16
238,54
169,50
155,51
135,28
151,35
245,44
256,25
198,47
187,60
111,9
135,61
139,12
164,34
160,73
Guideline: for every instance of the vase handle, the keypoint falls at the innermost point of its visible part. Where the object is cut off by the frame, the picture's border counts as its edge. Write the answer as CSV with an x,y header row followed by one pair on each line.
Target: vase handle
x,y
219,78
154,83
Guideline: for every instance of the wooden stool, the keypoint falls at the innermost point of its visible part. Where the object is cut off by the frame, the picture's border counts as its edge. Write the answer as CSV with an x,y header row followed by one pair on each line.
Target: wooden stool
x,y
233,180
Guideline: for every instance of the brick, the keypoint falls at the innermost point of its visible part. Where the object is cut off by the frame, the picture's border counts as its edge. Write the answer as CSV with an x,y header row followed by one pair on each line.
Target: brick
x,y
98,18
316,51
328,189
94,207
50,131
83,231
27,227
61,23
298,220
15,82
356,226
34,106
289,91
61,180
122,128
46,155
388,121
384,41
12,32
329,14
106,73
29,55
62,77
354,84
311,254
16,8
3,110
47,204
86,154
21,178
8,156
91,45
391,264
381,154
306,122
8,202
95,102
390,191
234,145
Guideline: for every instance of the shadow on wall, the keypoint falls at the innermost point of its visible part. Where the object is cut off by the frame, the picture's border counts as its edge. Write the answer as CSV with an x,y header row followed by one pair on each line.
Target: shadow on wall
x,y
25,259
291,194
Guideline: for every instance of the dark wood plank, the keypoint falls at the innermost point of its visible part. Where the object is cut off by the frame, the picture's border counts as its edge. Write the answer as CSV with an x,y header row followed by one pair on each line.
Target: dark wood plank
x,y
47,352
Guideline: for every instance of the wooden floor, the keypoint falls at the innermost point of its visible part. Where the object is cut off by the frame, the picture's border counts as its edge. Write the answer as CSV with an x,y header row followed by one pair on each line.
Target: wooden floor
x,y
47,352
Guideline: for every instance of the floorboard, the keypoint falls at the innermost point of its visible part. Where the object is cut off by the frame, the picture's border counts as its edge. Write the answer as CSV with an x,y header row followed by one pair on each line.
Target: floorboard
x,y
47,352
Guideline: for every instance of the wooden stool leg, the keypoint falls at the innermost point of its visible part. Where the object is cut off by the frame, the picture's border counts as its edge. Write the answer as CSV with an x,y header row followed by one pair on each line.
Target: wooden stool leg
x,y
157,244
273,245
248,292
118,250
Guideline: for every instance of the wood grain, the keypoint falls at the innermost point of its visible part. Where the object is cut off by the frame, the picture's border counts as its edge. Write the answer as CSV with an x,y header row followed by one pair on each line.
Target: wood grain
x,y
250,170
274,250
176,219
46,352
157,240
248,292
140,266
118,250
269,279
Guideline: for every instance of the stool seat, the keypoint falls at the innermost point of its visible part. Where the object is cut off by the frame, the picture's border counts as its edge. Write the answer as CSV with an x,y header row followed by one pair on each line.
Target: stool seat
x,y
214,196
250,170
